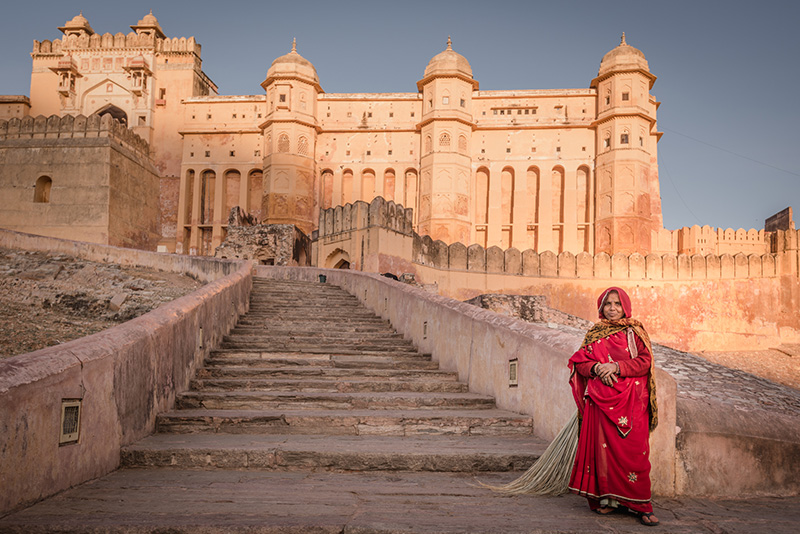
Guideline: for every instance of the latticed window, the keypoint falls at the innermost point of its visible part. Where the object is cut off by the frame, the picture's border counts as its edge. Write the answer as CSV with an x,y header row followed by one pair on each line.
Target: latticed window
x,y
444,140
283,143
302,145
428,144
462,143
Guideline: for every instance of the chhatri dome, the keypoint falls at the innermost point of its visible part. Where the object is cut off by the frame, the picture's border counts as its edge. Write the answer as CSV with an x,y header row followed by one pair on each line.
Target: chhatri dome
x,y
77,24
292,65
448,62
623,57
149,25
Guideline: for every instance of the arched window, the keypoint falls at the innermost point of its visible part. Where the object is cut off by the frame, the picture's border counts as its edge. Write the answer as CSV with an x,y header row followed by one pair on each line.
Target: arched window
x,y
428,144
444,140
42,191
283,143
462,143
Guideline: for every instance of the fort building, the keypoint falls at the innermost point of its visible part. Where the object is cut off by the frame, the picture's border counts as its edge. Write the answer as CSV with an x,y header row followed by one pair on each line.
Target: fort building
x,y
563,170
494,190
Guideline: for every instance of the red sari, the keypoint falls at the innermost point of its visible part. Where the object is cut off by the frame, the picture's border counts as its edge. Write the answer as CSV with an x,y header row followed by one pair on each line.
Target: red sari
x,y
612,460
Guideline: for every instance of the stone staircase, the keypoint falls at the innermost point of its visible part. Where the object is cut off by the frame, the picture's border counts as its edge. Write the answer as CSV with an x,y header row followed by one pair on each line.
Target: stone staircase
x,y
309,379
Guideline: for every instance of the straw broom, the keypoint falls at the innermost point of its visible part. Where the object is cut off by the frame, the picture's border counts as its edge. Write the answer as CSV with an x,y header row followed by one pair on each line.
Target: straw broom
x,y
549,475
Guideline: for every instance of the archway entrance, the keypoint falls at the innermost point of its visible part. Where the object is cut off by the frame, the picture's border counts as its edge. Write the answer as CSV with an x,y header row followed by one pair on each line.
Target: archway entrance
x,y
115,112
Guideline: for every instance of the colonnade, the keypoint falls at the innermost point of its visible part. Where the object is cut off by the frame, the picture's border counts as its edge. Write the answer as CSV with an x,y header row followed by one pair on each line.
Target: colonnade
x,y
206,197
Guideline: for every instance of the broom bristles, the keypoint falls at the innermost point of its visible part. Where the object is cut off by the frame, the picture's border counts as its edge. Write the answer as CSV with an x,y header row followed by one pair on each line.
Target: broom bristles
x,y
549,475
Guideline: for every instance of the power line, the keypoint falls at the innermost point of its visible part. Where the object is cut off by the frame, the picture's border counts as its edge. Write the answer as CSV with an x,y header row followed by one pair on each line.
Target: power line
x,y
663,166
731,152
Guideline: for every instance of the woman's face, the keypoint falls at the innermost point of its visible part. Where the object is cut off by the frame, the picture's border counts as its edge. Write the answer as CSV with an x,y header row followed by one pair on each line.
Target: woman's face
x,y
612,309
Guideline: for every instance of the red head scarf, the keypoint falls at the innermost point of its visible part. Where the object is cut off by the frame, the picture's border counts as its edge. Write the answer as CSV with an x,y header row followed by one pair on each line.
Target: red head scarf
x,y
624,299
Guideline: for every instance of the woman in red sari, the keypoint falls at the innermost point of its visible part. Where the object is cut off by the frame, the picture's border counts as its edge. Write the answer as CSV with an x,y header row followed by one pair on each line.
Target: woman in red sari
x,y
612,382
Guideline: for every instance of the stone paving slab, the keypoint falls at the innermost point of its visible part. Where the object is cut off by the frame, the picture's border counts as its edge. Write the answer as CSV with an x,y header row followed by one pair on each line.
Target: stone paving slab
x,y
138,501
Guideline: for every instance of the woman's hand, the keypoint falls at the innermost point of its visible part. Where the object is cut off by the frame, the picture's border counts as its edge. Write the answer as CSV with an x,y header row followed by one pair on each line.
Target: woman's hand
x,y
607,373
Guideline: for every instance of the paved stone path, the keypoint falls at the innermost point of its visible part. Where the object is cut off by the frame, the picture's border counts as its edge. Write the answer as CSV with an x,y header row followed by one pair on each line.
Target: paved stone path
x,y
358,433
163,501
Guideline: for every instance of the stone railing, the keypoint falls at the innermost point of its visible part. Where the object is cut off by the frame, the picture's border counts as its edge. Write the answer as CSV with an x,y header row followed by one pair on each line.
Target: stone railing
x,y
73,127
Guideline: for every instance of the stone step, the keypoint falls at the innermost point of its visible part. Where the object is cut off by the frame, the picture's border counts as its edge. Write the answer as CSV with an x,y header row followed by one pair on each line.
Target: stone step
x,y
491,422
326,373
454,454
321,307
295,400
308,329
300,298
320,322
323,385
322,336
293,346
341,362
314,353
311,314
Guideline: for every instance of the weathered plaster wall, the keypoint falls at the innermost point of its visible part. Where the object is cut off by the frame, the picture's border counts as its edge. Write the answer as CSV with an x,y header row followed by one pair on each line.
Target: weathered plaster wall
x,y
124,376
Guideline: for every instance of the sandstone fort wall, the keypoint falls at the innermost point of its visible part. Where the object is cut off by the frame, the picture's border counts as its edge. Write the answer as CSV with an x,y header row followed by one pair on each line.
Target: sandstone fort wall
x,y
697,302
85,178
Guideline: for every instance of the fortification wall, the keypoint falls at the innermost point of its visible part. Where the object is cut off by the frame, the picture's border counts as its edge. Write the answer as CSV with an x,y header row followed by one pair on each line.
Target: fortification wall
x,y
123,376
84,178
73,127
690,302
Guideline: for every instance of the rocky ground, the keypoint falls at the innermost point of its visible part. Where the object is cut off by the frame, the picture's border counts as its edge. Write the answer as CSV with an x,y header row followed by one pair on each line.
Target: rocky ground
x,y
47,299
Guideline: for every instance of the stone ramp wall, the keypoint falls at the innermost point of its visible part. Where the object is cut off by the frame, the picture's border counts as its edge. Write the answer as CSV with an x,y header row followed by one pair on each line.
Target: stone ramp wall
x,y
124,376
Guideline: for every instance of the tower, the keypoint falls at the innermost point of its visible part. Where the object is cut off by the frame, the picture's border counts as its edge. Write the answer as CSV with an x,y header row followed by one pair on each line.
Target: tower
x,y
627,193
446,131
290,133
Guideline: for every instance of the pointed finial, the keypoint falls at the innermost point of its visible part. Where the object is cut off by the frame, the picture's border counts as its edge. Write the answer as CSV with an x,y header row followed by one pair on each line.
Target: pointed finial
x,y
294,45
151,11
449,43
622,41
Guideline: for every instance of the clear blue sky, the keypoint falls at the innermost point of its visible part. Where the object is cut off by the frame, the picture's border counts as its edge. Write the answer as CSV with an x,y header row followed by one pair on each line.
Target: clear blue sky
x,y
728,71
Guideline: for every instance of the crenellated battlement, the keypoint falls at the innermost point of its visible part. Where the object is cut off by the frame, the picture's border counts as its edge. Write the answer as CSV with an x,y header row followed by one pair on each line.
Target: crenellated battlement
x,y
118,41
73,127
360,215
337,223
